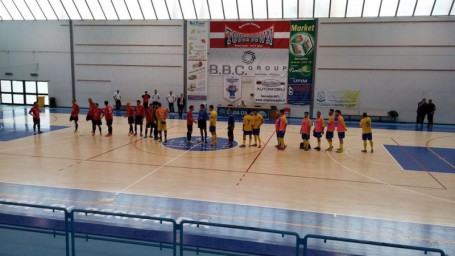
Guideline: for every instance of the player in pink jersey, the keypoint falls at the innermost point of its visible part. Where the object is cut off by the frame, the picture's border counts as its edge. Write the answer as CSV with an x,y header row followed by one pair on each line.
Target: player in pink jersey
x,y
330,130
280,126
305,131
341,129
318,130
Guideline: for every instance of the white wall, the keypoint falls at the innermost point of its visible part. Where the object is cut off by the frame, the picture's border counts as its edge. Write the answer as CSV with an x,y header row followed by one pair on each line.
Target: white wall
x,y
411,72
147,55
41,47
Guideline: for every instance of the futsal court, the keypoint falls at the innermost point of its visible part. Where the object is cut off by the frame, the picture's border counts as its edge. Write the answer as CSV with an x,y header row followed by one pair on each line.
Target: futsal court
x,y
402,193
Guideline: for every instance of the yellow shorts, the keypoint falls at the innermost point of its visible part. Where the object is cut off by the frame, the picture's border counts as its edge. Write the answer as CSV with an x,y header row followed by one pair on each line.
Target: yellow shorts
x,y
162,126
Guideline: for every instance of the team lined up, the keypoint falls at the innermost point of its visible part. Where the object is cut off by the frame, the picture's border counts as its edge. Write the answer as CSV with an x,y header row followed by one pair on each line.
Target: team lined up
x,y
156,116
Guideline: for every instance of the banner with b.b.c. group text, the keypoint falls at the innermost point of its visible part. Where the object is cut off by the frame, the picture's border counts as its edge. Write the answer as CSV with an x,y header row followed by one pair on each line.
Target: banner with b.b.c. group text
x,y
302,47
197,37
252,48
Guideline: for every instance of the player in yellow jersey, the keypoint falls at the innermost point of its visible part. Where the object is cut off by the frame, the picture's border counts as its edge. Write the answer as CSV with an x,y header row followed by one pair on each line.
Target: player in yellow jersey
x,y
258,120
161,115
212,124
365,123
248,120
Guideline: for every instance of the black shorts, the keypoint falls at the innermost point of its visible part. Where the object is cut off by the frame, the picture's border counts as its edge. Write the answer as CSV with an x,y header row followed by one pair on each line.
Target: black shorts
x,y
109,122
139,120
88,118
150,124
74,118
36,121
189,127
97,122
202,124
130,120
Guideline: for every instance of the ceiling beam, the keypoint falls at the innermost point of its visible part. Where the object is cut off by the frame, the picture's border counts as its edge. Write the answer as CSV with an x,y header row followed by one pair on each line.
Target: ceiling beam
x,y
128,9
282,9
298,9
65,9
29,9
153,6
398,7
52,7
11,16
140,8
181,10
18,9
41,9
267,7
346,9
330,8
415,8
115,10
432,8
167,8
208,6
90,10
77,9
451,8
363,8
380,7
314,7
195,12
104,14
222,8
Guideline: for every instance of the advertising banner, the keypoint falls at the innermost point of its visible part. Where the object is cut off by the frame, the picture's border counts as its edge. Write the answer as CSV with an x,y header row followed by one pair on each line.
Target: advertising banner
x,y
302,47
232,88
197,37
252,48
270,90
341,98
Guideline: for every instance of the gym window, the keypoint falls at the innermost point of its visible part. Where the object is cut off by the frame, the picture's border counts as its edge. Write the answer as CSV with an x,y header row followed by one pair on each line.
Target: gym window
x,y
23,92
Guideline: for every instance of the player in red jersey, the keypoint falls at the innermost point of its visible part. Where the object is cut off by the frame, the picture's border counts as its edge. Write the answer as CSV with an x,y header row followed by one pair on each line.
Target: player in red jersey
x,y
139,116
130,114
34,111
91,109
96,121
109,116
150,121
75,114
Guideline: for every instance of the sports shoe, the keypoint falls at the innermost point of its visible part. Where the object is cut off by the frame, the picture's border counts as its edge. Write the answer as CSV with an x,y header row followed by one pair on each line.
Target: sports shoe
x,y
364,151
190,142
259,146
372,151
254,145
108,135
145,136
339,150
39,132
135,134
329,149
140,134
242,146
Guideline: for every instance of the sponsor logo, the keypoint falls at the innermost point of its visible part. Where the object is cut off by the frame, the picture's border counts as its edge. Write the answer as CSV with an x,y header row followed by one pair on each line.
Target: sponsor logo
x,y
264,37
248,57
321,96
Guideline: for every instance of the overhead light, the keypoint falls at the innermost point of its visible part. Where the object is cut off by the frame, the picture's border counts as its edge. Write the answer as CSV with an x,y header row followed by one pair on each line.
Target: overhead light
x,y
8,74
34,74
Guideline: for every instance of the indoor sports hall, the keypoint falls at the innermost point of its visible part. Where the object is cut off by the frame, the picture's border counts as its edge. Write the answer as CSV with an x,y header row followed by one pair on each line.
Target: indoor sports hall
x,y
383,185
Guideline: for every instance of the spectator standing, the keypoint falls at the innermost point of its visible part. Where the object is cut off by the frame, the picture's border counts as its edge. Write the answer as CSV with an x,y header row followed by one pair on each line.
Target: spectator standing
x,y
171,99
118,100
421,109
431,108
155,99
181,105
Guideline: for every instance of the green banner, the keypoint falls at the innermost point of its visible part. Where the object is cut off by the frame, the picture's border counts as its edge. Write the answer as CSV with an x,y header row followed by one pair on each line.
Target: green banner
x,y
301,61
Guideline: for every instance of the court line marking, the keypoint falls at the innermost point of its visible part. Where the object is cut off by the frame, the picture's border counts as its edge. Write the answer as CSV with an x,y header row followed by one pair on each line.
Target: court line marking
x,y
419,163
436,154
254,219
79,161
389,184
254,160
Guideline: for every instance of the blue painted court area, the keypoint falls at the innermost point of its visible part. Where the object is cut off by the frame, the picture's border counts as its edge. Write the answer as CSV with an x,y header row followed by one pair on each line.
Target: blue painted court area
x,y
300,222
413,158
181,143
12,131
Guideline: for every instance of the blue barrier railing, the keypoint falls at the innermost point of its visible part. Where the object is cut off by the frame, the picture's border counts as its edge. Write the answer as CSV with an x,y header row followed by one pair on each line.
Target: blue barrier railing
x,y
122,215
70,232
245,228
65,218
366,242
